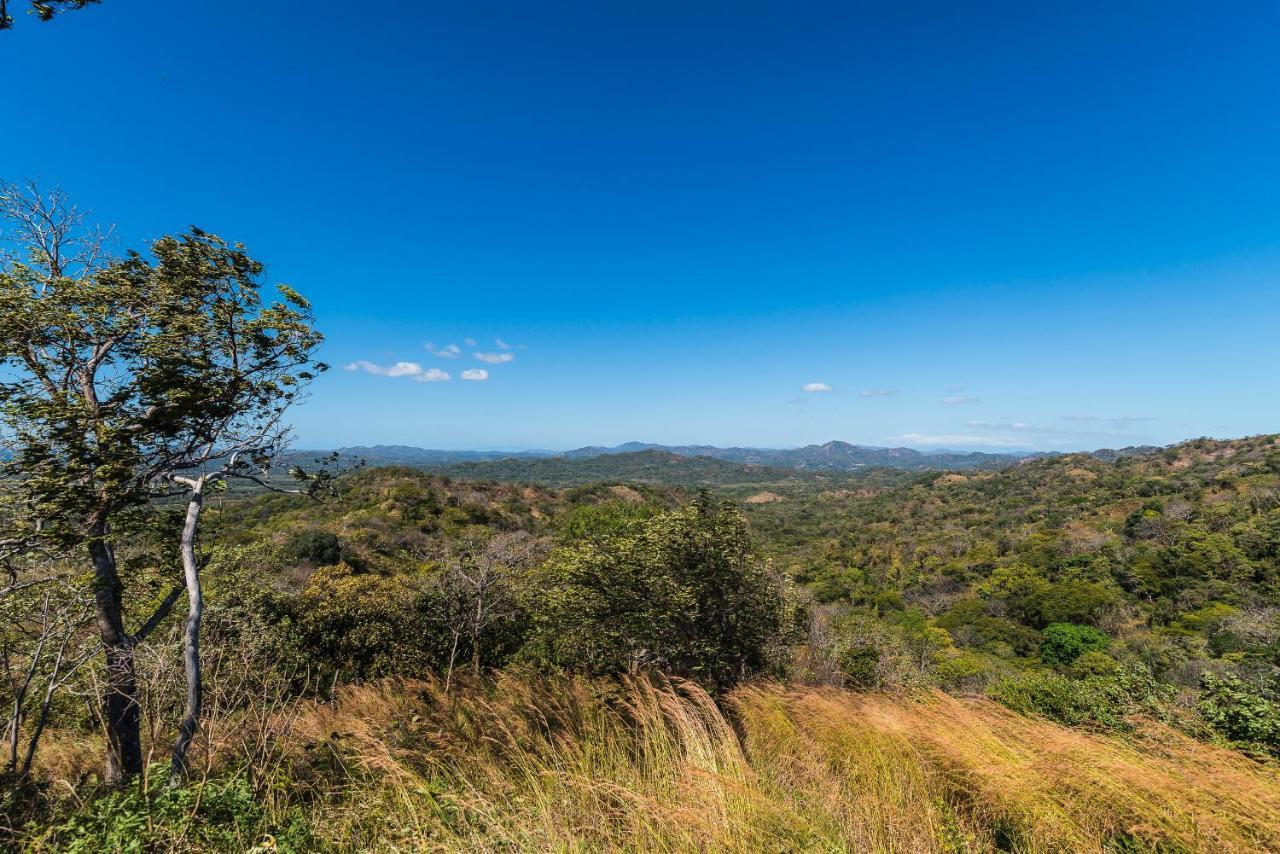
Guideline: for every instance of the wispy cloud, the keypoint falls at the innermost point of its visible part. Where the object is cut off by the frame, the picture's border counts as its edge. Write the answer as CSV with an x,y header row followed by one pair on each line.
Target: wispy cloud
x,y
449,351
959,400
494,358
411,370
1122,419
952,440
877,392
1108,428
503,345
816,387
1007,425
470,342
475,374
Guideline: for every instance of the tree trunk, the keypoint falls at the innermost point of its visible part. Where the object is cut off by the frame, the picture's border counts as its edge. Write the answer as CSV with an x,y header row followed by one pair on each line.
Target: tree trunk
x,y
120,705
190,637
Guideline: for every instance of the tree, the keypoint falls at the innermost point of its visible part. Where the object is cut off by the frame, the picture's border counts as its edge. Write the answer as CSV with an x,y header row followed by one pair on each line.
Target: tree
x,y
476,593
127,375
45,10
685,591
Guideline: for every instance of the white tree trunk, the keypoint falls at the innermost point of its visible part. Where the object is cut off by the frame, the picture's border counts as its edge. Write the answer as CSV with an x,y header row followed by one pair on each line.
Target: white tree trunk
x,y
191,634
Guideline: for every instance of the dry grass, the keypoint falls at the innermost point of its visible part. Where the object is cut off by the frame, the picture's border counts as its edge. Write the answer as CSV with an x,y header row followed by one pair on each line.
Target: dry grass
x,y
525,763
533,765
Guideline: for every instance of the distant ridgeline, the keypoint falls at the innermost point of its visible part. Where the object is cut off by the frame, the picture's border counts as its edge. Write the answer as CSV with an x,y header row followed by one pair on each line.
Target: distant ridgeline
x,y
831,464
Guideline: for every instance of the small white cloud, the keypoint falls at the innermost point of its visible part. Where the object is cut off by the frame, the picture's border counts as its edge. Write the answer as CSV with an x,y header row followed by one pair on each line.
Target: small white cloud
x,y
475,374
877,392
817,387
494,358
434,375
470,342
451,351
412,370
959,401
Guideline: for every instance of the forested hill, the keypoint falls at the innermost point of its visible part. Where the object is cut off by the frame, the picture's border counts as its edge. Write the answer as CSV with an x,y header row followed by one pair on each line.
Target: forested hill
x,y
830,456
1173,556
651,467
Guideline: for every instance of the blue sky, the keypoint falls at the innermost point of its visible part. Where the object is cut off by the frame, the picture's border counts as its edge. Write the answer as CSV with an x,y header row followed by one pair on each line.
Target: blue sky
x,y
978,225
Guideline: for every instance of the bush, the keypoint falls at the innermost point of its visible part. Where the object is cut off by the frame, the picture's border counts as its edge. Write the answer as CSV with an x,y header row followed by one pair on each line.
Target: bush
x,y
684,591
1242,713
316,548
1104,701
1065,642
220,814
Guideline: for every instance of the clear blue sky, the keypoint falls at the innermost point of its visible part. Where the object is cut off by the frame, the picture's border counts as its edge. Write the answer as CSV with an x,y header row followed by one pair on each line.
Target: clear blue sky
x,y
1062,218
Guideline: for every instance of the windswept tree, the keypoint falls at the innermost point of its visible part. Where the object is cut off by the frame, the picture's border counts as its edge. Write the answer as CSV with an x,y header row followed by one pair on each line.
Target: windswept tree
x,y
123,380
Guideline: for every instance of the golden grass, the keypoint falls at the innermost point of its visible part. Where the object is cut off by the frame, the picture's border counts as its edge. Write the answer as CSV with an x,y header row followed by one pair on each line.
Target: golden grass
x,y
528,764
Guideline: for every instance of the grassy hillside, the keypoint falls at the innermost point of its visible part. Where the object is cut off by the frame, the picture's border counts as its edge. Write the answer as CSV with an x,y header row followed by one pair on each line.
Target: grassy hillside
x,y
523,763
1074,654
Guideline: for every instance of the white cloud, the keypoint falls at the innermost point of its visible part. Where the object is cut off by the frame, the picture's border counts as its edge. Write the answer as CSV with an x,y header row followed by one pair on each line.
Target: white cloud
x,y
877,392
470,342
812,387
475,374
494,358
959,401
434,375
450,351
412,370
954,440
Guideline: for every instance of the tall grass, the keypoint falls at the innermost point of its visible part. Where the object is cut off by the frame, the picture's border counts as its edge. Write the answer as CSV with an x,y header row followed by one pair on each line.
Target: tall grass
x,y
525,763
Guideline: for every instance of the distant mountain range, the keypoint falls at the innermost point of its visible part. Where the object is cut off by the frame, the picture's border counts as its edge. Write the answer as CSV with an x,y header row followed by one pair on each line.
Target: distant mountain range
x,y
832,456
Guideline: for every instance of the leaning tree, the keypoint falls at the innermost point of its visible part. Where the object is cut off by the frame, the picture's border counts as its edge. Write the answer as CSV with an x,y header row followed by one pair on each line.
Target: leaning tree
x,y
122,380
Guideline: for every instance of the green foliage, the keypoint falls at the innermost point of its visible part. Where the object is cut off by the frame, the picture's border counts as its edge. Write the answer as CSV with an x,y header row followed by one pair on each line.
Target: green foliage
x,y
1104,701
317,548
1243,713
601,523
685,591
44,10
221,814
1065,642
361,624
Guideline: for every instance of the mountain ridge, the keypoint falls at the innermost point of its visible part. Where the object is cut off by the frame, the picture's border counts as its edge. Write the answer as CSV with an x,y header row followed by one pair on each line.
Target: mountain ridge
x,y
835,455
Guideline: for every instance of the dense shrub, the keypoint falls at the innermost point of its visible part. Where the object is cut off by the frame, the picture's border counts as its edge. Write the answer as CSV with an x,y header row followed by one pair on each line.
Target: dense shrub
x,y
684,590
317,548
1064,642
1105,701
1243,713
221,814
